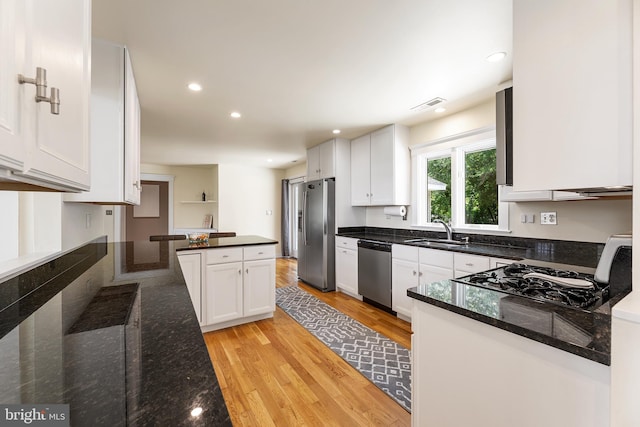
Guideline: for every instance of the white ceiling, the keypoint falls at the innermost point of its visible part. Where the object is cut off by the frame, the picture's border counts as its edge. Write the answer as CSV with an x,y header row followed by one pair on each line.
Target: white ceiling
x,y
297,69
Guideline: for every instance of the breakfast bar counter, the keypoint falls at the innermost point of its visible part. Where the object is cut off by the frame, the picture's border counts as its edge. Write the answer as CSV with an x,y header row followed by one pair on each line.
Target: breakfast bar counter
x,y
108,329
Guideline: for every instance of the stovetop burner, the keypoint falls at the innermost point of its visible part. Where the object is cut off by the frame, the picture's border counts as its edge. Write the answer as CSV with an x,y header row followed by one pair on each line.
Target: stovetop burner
x,y
511,279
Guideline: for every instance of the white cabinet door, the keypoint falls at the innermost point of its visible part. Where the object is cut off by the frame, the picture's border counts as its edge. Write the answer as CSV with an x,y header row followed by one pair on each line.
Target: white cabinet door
x,y
500,262
327,159
223,292
382,167
259,287
404,275
347,270
360,171
572,97
60,42
431,274
313,163
191,269
12,139
132,185
115,128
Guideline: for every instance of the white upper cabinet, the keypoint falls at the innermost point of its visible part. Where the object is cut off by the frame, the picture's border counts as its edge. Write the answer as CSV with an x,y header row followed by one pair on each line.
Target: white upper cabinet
x,y
380,165
572,98
38,147
115,128
321,161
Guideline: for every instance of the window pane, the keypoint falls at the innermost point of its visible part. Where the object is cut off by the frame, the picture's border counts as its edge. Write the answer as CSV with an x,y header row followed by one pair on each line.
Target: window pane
x,y
481,191
439,189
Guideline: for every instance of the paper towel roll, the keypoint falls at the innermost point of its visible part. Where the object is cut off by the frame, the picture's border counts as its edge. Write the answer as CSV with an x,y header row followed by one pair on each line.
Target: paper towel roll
x,y
395,210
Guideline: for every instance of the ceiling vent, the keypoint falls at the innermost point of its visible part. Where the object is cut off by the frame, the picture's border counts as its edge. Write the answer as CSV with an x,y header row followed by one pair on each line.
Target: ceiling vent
x,y
428,105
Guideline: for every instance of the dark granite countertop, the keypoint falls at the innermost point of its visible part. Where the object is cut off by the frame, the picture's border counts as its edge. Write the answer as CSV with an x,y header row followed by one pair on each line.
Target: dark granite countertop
x,y
224,242
110,330
584,254
586,334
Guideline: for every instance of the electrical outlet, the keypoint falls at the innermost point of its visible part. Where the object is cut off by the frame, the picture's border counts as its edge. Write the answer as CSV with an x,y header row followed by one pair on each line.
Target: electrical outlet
x,y
548,218
109,212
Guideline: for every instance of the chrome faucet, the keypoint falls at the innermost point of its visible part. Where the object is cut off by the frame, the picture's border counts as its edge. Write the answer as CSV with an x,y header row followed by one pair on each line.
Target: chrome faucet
x,y
447,228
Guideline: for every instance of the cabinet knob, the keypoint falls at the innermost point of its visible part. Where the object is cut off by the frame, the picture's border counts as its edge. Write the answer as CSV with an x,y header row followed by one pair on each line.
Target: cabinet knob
x,y
240,272
414,272
420,274
40,83
247,270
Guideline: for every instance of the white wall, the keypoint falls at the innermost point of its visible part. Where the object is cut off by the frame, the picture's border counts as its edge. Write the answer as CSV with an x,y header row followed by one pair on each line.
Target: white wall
x,y
245,194
8,225
588,220
296,171
77,229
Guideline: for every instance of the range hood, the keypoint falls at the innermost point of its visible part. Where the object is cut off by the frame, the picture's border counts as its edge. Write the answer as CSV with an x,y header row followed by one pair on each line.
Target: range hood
x,y
504,137
504,151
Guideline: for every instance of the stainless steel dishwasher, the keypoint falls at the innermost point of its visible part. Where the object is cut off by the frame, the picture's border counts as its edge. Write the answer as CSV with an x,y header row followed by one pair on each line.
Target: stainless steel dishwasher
x,y
374,273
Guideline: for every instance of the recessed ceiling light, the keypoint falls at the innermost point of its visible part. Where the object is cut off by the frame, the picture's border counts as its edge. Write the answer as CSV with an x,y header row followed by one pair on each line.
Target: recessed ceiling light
x,y
235,115
196,87
336,131
269,160
440,110
496,57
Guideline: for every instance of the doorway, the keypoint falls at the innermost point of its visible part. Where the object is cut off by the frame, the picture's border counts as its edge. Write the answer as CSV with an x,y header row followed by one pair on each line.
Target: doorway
x,y
151,217
294,204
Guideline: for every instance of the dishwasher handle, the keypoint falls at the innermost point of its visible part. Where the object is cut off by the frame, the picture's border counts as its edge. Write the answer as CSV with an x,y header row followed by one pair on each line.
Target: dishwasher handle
x,y
374,245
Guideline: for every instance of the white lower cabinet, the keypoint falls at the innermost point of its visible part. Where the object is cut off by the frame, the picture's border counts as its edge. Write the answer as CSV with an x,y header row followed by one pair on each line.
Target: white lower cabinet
x,y
347,265
259,279
192,271
223,292
404,275
230,286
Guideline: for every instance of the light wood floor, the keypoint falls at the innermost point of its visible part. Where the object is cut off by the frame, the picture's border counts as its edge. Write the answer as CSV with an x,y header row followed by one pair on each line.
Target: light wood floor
x,y
275,373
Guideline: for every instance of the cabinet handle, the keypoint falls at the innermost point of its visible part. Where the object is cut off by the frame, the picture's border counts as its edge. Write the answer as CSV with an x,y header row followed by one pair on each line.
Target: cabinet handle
x,y
420,274
260,253
137,185
469,264
240,272
247,270
414,272
225,256
41,89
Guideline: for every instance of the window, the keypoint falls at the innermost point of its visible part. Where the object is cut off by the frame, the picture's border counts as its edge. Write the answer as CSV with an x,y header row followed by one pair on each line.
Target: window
x,y
455,181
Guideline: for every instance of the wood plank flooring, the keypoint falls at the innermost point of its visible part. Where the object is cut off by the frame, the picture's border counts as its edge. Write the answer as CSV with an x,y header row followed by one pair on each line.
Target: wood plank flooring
x,y
275,373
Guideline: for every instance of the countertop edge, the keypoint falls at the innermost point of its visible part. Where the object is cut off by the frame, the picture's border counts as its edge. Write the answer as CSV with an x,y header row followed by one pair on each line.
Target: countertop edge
x,y
590,354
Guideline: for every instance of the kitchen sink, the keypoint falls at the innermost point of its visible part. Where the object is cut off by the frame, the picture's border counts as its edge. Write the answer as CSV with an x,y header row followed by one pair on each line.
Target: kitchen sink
x,y
436,242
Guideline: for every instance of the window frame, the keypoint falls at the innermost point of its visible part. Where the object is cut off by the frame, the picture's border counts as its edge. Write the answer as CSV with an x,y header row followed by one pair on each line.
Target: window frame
x,y
456,146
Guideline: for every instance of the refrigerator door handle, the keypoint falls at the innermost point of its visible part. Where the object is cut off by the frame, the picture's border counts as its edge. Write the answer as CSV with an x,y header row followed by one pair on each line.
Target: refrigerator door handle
x,y
305,200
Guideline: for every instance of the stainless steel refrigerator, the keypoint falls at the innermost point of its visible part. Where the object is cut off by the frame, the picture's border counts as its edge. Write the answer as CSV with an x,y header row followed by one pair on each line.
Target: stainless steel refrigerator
x,y
316,234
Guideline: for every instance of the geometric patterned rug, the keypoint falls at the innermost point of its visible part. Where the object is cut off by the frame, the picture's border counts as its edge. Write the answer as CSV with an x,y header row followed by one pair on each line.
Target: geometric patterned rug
x,y
384,362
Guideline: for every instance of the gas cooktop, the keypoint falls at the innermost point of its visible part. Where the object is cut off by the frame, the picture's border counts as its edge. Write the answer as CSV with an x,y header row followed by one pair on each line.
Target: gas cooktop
x,y
566,288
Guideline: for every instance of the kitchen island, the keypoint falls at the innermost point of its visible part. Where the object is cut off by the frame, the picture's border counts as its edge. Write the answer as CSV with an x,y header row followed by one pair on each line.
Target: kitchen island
x,y
483,357
110,330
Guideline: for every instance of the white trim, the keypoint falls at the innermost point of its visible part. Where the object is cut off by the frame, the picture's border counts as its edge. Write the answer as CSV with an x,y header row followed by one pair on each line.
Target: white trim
x,y
163,178
462,138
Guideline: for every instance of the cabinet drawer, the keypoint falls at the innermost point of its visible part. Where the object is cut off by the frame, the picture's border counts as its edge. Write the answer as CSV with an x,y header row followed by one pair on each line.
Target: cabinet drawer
x,y
436,258
259,252
346,242
471,263
407,253
224,255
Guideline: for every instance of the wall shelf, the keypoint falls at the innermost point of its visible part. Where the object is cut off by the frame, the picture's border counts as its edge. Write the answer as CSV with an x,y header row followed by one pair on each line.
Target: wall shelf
x,y
198,201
